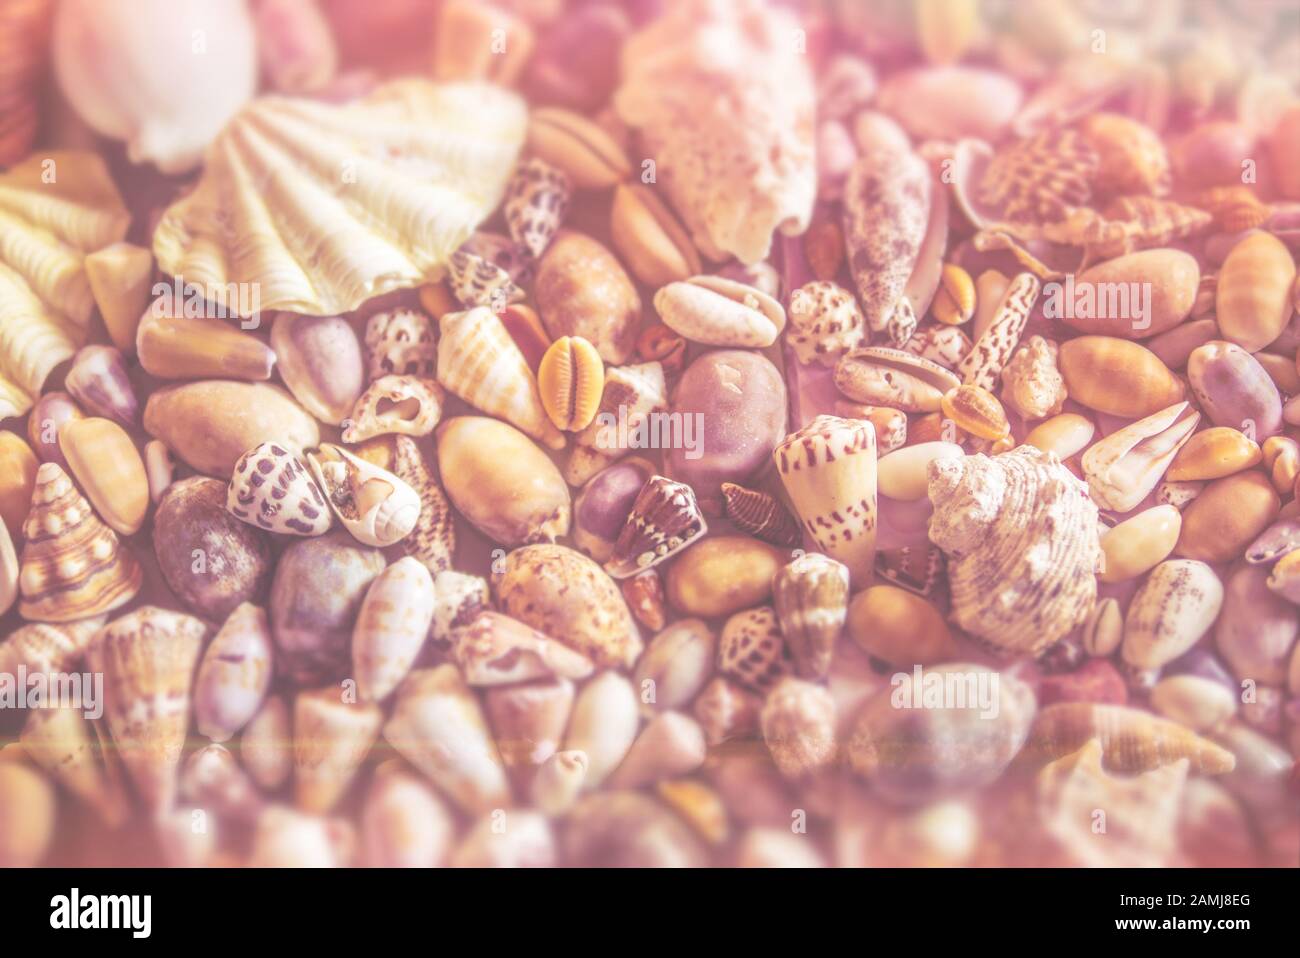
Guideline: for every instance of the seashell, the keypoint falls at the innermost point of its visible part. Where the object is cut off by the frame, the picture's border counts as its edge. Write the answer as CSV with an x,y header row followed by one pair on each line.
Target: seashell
x,y
1137,544
828,470
187,347
650,239
1281,144
285,838
321,363
296,46
1132,740
727,711
1235,208
1276,542
330,740
825,323
1214,453
915,755
951,102
775,848
1257,629
602,507
975,411
376,507
890,424
571,382
1234,389
1024,581
265,748
1131,156
733,409
1210,155
433,540
458,600
1124,467
671,744
51,224
1197,703
478,278
559,781
751,650
391,627
27,56
578,147
810,595
28,812
1170,613
537,198
63,743
211,424
917,569
675,665
1223,520
627,829
438,727
954,302
211,778
50,413
234,675
1103,630
10,571
1264,771
1099,301
899,627
209,559
603,725
471,42
761,515
528,720
272,489
1031,383
404,824
798,722
1253,301
823,244
902,474
18,467
1178,494
631,395
563,594
419,187
72,565
664,520
395,405
1117,377
98,381
478,362
1281,458
495,649
845,86
1096,680
644,594
720,312
527,842
722,575
148,659
1038,179
886,214
400,342
120,277
1175,347
104,461
994,346
316,595
751,95
501,482
699,806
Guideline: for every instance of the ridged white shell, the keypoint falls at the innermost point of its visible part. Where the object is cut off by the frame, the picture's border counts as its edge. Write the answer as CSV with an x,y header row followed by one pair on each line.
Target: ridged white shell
x,y
325,206
54,209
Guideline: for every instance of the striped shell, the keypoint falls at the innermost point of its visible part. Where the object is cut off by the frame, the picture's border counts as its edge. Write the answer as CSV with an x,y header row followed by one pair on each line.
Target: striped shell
x,y
1132,739
761,515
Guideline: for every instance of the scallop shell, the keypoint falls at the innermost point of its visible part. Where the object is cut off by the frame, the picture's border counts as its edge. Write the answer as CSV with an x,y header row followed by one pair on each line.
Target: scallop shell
x,y
761,515
73,566
391,627
322,206
273,490
433,540
331,738
148,659
1020,533
1123,468
401,405
480,363
54,209
664,520
400,342
373,504
1132,740
724,101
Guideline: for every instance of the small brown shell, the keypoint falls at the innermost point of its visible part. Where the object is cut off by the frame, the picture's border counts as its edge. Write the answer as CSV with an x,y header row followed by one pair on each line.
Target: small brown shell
x,y
761,515
665,519
752,651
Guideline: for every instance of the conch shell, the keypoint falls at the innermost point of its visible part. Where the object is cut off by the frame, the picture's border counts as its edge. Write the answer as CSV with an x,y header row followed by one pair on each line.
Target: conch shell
x,y
480,363
373,504
1020,533
724,101
321,207
54,210
1123,468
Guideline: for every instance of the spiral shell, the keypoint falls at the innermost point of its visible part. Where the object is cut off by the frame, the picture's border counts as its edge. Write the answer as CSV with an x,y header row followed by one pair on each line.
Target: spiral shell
x,y
761,515
1132,740
811,597
373,504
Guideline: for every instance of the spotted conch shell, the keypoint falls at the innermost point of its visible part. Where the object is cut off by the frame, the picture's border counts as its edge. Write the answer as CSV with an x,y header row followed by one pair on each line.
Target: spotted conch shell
x,y
322,206
1020,533
723,99
55,208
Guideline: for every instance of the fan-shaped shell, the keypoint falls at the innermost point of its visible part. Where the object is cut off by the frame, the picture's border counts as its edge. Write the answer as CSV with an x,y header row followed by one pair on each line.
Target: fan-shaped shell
x,y
325,206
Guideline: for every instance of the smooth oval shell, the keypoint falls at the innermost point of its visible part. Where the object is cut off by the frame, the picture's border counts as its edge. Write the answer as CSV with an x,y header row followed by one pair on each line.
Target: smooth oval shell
x,y
1139,543
1170,613
185,347
1168,280
894,378
392,625
18,467
1253,297
1066,435
321,363
1220,522
722,575
604,724
1196,702
104,460
1234,389
655,246
404,824
1212,454
1257,629
902,474
676,663
234,674
266,746
899,627
581,290
951,102
720,312
1117,376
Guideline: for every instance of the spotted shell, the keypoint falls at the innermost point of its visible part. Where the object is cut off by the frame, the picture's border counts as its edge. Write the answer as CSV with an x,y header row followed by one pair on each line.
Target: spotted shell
x,y
752,651
536,201
273,490
825,323
400,342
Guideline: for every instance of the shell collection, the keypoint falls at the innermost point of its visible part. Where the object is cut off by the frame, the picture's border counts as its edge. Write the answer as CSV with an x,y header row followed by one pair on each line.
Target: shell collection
x,y
660,429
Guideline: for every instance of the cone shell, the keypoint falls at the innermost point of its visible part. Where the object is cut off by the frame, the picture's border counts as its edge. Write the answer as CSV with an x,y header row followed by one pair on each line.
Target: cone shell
x,y
761,515
665,519
528,720
148,659
480,363
737,94
1020,534
373,504
1170,613
828,469
992,351
273,490
331,738
423,163
438,727
1123,468
403,405
73,566
404,824
235,674
105,462
1253,296
391,627
56,208
495,649
433,540
1132,740
811,597
671,744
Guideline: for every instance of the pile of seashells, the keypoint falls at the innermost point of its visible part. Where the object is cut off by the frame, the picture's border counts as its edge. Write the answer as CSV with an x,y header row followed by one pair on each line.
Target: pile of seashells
x,y
699,432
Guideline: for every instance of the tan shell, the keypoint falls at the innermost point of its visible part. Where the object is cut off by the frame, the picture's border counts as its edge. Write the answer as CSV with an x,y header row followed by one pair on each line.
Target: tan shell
x,y
1170,613
976,411
723,574
373,504
582,290
891,377
309,226
28,811
825,323
1140,542
235,674
604,725
331,738
18,465
528,721
9,570
798,723
671,744
578,147
265,747
676,664
1123,468
1065,434
495,649
1132,740
321,363
571,381
433,540
811,597
391,627
1031,383
720,312
105,462
404,824
655,246
899,627
63,742
193,347
1118,377
1020,534
1223,520
993,348
1253,302
1214,453
402,405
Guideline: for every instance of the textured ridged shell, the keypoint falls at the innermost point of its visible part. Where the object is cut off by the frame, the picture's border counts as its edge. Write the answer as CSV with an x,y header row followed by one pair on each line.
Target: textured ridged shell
x,y
1020,534
325,206
725,103
433,540
1132,740
350,485
54,210
811,597
664,520
383,409
761,515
